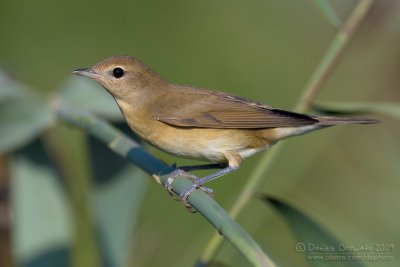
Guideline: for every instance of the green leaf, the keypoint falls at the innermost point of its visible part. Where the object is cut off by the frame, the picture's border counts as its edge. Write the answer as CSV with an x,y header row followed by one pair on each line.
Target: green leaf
x,y
23,114
319,246
42,219
21,120
10,88
120,198
329,12
86,94
353,108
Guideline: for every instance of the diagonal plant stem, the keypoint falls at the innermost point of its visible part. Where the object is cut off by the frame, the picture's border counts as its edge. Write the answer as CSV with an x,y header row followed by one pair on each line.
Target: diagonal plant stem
x,y
332,56
319,77
202,202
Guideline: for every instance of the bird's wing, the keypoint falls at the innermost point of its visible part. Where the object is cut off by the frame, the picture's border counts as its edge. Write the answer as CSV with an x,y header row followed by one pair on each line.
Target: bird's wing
x,y
207,109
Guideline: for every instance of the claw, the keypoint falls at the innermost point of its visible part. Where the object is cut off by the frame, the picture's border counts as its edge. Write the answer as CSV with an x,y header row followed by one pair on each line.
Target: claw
x,y
196,185
171,179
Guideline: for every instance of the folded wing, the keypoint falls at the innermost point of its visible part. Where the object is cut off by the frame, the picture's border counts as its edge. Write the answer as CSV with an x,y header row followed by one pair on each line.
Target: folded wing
x,y
209,109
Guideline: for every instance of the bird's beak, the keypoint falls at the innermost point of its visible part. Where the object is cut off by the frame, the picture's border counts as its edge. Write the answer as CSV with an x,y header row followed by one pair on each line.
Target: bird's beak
x,y
88,72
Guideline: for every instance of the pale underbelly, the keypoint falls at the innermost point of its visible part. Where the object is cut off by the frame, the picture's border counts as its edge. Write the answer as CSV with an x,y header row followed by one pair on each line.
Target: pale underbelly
x,y
207,144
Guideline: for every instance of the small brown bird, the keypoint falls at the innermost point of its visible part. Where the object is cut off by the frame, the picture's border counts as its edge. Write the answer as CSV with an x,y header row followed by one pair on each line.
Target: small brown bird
x,y
197,123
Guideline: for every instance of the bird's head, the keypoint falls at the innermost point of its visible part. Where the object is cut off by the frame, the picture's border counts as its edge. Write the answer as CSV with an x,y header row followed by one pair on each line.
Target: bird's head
x,y
122,75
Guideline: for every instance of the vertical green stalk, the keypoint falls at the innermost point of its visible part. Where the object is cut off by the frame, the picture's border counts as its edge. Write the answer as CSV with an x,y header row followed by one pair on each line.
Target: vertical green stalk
x,y
317,80
69,148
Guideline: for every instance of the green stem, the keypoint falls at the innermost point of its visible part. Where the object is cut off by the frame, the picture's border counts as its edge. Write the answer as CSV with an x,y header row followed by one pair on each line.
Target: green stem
x,y
332,56
73,160
314,85
201,201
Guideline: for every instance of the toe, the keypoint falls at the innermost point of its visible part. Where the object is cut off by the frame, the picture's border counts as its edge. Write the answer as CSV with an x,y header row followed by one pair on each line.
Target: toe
x,y
185,195
170,180
208,190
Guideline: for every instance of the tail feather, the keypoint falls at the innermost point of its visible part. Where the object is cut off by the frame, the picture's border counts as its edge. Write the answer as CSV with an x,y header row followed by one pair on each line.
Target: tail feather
x,y
323,122
330,121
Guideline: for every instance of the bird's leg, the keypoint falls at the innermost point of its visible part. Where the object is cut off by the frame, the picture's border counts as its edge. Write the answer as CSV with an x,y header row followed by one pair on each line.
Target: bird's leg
x,y
204,167
199,182
183,172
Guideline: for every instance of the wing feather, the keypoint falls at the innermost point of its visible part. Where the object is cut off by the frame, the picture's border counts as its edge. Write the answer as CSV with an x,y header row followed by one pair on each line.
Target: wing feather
x,y
208,109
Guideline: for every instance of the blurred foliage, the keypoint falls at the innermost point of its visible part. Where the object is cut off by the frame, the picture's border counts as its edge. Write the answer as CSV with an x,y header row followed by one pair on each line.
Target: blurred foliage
x,y
329,11
346,177
389,109
85,94
315,242
23,114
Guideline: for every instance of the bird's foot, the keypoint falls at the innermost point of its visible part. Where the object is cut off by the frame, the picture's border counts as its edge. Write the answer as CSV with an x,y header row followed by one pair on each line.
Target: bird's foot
x,y
197,184
173,176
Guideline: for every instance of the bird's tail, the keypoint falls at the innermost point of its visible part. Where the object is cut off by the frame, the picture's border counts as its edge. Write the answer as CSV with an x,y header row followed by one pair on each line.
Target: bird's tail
x,y
321,122
331,121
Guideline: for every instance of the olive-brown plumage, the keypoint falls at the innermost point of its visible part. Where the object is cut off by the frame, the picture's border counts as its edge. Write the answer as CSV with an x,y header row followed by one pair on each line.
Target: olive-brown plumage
x,y
198,123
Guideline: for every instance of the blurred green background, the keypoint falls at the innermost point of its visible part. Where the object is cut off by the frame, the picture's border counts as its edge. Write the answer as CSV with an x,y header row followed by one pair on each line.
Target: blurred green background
x,y
346,178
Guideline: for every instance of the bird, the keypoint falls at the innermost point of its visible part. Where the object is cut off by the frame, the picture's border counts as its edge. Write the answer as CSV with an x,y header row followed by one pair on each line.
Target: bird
x,y
196,123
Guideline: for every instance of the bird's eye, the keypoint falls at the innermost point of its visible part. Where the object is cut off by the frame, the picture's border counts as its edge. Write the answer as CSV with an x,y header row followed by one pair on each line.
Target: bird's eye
x,y
118,73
